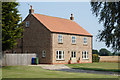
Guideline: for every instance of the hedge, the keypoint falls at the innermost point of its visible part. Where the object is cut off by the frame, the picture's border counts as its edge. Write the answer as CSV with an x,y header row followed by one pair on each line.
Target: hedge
x,y
95,58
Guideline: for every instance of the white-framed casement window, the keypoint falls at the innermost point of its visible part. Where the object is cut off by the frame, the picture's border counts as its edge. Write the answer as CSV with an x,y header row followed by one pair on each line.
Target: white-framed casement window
x,y
85,55
73,40
59,55
85,40
60,38
43,53
73,54
27,23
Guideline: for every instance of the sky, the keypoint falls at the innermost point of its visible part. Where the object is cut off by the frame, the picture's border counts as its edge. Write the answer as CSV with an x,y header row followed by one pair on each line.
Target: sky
x,y
81,11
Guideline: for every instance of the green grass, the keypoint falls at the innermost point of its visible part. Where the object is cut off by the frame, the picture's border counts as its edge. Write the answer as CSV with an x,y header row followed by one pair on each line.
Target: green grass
x,y
96,66
38,72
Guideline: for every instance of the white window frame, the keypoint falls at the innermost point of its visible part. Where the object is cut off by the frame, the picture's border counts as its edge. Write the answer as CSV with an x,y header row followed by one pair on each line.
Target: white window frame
x,y
85,40
43,53
27,23
60,38
74,54
73,39
58,55
85,55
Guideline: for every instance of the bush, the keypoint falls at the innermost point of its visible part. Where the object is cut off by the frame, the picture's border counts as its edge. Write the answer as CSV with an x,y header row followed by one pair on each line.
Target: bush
x,y
95,58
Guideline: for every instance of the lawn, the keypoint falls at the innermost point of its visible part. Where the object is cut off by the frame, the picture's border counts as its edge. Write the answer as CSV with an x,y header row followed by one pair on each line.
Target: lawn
x,y
38,72
105,66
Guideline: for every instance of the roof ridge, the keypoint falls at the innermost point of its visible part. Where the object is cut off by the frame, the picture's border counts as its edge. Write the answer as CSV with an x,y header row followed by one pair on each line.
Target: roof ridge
x,y
54,17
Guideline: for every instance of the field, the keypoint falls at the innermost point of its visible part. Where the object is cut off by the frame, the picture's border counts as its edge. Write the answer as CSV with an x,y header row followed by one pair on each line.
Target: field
x,y
97,66
38,72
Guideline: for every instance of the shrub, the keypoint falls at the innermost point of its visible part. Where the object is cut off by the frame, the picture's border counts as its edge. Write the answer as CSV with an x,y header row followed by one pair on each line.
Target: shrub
x,y
95,58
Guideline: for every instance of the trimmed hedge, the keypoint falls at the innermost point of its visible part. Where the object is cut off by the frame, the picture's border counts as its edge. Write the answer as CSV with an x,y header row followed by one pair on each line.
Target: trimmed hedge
x,y
95,58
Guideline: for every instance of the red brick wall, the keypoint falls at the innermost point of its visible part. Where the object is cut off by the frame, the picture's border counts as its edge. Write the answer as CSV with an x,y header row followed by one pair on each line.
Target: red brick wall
x,y
36,38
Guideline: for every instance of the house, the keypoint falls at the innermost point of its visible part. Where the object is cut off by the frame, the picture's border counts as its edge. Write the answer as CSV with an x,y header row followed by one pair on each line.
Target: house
x,y
55,40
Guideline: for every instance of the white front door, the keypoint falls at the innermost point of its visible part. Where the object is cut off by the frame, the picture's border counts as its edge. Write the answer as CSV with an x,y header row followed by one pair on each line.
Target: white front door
x,y
73,57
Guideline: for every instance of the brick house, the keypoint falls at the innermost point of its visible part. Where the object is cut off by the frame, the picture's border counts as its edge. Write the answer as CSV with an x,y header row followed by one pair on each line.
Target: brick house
x,y
55,40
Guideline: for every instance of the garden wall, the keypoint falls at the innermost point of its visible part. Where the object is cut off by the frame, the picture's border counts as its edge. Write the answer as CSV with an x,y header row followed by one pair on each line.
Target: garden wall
x,y
17,59
109,58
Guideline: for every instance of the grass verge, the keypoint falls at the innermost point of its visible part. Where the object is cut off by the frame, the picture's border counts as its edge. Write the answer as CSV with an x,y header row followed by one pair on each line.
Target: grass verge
x,y
96,66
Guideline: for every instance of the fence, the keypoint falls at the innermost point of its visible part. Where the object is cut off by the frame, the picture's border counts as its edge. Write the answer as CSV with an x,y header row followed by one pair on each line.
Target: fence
x,y
17,59
109,58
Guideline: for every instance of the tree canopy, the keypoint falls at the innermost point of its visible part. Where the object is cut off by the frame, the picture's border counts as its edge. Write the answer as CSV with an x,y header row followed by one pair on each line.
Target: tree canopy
x,y
94,51
108,13
104,52
11,26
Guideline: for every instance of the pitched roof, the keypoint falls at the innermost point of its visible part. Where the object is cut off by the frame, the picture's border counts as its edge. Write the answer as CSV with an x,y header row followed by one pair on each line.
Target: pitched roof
x,y
55,24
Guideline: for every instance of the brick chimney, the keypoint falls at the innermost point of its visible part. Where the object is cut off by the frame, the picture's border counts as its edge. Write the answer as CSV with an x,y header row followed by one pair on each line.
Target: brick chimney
x,y
71,18
31,10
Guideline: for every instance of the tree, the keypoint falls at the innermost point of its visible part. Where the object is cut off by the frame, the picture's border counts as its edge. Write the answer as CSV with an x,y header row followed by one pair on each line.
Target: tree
x,y
108,13
113,54
94,51
11,26
104,52
118,54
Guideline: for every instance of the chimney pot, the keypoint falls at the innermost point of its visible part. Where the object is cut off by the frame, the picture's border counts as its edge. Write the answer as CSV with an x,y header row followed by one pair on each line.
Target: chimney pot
x,y
31,6
71,18
31,10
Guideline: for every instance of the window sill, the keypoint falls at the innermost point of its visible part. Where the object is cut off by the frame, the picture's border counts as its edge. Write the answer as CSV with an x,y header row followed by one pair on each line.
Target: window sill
x,y
27,26
73,43
85,44
85,58
60,60
60,43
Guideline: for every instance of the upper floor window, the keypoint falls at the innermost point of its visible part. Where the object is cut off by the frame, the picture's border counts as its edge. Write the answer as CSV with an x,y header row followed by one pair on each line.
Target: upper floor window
x,y
85,55
43,53
73,39
85,40
27,23
59,55
60,38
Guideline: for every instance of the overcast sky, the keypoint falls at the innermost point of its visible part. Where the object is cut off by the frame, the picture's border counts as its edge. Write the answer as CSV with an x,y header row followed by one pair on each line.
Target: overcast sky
x,y
81,11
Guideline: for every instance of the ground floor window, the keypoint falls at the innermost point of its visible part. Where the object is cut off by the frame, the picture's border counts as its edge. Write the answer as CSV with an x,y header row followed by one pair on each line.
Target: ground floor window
x,y
73,54
43,53
85,55
59,55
